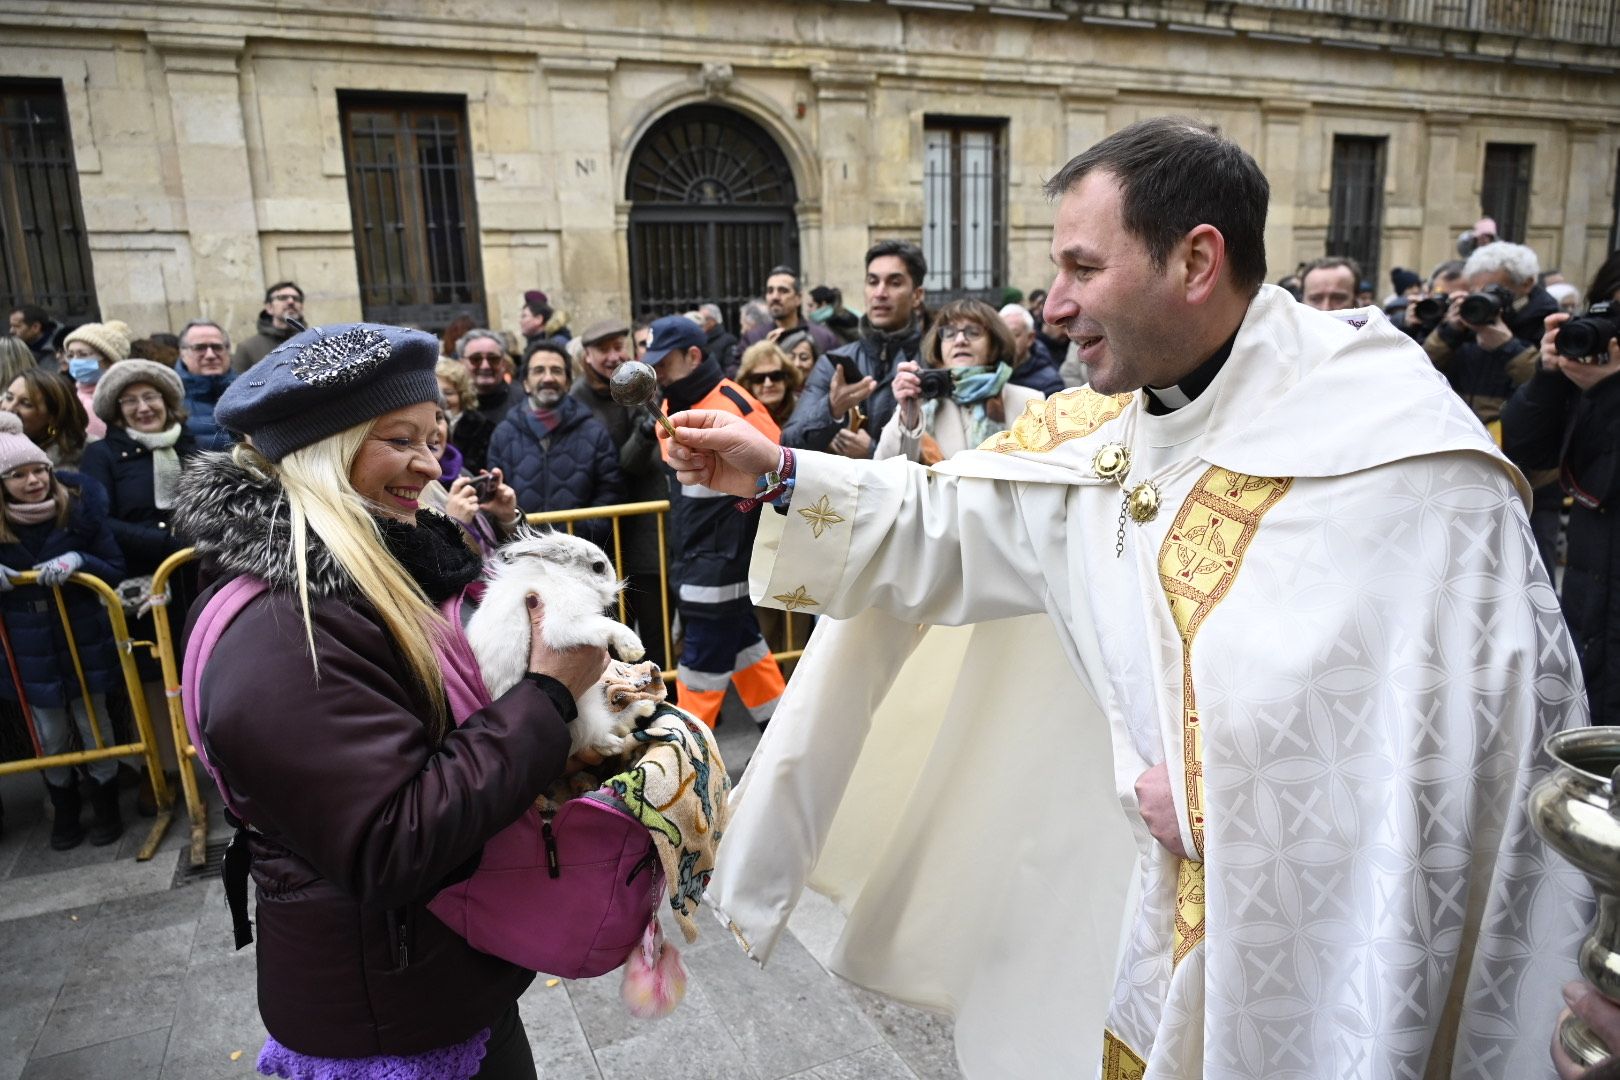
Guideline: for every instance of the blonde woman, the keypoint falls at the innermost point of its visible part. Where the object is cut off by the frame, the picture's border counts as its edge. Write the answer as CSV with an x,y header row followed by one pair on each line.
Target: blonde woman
x,y
770,375
324,708
469,429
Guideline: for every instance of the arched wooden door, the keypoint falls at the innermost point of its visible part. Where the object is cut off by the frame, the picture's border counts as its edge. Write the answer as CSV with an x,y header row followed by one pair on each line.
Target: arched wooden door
x,y
711,211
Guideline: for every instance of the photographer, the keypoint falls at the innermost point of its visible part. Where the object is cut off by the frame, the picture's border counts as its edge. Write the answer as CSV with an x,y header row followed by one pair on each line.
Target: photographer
x,y
1485,343
1567,417
1485,347
1422,313
963,396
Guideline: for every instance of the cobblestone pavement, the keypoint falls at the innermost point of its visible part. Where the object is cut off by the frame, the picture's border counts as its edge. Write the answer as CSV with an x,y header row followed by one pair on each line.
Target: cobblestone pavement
x,y
111,971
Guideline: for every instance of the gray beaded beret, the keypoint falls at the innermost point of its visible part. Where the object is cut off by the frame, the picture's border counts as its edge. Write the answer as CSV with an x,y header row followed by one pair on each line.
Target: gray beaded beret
x,y
326,380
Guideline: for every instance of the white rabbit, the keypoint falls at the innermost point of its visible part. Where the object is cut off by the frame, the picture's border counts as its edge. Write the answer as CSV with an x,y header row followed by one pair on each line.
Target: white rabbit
x,y
574,580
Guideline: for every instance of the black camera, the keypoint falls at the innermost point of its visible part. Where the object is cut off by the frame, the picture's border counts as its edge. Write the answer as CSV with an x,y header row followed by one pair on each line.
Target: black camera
x,y
1486,306
936,383
1431,309
1586,339
484,487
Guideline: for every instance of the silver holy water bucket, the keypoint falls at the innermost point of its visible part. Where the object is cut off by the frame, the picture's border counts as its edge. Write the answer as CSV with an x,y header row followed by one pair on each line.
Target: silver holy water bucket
x,y
1575,811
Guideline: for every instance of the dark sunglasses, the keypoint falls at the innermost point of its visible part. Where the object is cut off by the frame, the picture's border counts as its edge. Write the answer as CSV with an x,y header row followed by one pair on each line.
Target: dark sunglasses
x,y
766,376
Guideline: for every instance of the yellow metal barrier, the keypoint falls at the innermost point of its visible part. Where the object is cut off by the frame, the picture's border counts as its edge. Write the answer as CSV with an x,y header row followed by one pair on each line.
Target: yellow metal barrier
x,y
170,661
145,747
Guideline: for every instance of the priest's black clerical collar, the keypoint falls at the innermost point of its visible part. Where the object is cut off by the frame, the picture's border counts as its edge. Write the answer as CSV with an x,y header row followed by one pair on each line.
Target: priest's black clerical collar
x,y
1167,399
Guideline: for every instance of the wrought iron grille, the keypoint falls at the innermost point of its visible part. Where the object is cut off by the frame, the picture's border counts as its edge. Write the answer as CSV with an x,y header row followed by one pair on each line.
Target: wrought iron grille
x,y
44,249
711,212
1357,201
415,219
1587,22
964,207
1505,193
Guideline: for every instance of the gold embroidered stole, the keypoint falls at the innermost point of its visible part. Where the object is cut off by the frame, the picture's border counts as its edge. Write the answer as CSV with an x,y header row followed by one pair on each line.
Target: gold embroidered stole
x,y
1044,425
1198,562
1120,1062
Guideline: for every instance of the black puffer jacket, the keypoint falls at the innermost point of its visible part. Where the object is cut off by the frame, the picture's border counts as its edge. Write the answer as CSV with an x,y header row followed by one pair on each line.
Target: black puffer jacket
x,y
1550,423
32,621
574,465
361,818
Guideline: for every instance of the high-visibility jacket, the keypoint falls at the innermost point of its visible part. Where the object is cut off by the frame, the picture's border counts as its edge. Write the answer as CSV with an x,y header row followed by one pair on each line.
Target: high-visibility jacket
x,y
712,540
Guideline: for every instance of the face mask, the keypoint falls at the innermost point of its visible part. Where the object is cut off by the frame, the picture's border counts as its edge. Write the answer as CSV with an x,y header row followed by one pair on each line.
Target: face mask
x,y
85,369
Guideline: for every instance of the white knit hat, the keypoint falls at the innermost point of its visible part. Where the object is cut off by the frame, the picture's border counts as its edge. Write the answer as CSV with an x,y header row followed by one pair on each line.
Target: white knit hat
x,y
19,450
126,373
110,339
10,424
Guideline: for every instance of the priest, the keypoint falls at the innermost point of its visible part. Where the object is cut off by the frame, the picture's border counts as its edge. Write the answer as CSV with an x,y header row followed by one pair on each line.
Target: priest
x,y
1297,580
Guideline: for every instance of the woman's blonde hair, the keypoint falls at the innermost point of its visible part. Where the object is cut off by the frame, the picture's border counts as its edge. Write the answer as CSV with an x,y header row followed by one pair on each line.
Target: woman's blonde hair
x,y
760,352
322,501
455,373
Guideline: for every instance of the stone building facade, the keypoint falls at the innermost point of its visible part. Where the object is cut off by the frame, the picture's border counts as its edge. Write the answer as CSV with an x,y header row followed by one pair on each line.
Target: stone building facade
x,y
645,154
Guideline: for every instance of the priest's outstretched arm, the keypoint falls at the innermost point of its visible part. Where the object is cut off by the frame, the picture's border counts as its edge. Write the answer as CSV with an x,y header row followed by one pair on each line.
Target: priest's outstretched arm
x,y
890,535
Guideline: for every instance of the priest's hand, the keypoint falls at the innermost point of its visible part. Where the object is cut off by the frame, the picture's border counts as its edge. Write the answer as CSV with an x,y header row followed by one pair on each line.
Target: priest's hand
x,y
720,451
1158,808
1603,1017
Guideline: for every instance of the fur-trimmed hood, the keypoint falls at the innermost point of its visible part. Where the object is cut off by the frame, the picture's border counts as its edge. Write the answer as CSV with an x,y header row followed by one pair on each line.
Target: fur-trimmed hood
x,y
239,522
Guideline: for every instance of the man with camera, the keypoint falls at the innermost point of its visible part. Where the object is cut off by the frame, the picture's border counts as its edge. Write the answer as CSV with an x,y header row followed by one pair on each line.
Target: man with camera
x,y
1481,343
1567,417
1486,346
848,398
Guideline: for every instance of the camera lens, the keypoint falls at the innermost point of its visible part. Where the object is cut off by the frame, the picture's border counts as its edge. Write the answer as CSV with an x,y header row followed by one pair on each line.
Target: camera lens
x,y
1431,308
1578,339
1479,308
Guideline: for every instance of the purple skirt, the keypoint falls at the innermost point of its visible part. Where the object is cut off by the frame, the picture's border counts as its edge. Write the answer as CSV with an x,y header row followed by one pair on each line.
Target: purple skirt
x,y
459,1062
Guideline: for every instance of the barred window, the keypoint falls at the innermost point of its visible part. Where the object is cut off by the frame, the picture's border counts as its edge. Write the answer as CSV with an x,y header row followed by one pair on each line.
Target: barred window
x,y
1505,194
411,199
965,206
1357,214
44,249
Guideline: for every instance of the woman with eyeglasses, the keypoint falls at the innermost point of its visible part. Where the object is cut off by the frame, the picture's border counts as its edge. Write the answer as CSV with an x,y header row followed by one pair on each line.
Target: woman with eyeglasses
x,y
51,415
969,399
147,446
55,523
769,374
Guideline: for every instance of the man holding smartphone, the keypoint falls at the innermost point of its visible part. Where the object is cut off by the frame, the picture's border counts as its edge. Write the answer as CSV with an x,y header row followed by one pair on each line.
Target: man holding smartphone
x,y
848,395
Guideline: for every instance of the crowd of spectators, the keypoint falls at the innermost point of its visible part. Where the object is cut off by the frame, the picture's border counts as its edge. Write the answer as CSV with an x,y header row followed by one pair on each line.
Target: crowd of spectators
x,y
527,424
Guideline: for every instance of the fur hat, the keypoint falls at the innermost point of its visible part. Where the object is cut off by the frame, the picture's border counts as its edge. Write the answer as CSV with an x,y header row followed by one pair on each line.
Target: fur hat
x,y
110,339
122,376
326,380
10,424
19,450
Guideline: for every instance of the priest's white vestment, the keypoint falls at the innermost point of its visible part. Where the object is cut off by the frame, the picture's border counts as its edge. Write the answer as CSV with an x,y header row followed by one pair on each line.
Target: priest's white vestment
x,y
1336,632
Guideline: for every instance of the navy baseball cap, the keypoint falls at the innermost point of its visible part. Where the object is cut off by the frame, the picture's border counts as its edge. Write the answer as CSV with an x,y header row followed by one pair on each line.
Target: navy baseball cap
x,y
670,333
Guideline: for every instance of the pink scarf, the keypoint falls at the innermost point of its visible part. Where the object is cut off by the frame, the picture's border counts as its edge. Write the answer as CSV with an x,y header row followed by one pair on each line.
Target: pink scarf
x,y
37,513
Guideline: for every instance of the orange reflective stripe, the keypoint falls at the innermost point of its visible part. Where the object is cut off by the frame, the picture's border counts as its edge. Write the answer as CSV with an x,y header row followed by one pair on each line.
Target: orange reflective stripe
x,y
760,682
703,704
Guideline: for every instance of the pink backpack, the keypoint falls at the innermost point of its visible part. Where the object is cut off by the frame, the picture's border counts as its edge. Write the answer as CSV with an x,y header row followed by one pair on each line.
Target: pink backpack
x,y
570,895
